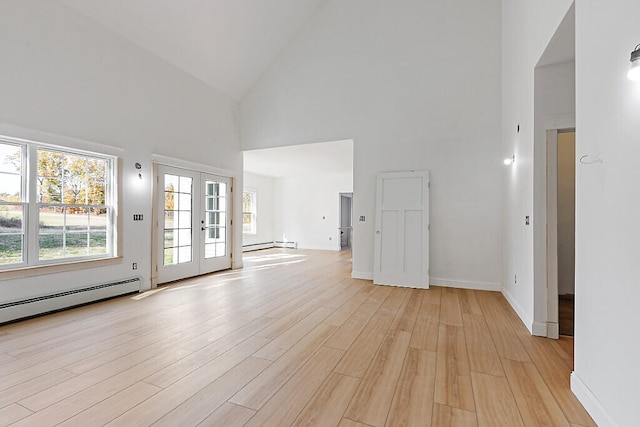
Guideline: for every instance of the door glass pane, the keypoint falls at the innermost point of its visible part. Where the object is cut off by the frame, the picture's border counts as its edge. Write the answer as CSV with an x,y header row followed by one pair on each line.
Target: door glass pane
x,y
178,227
214,217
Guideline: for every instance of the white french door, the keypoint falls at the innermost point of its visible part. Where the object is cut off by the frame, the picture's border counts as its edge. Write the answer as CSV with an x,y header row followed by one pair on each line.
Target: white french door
x,y
402,230
194,223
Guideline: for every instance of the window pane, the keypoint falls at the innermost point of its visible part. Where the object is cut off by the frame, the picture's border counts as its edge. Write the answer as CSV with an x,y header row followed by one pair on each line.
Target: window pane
x,y
51,245
170,256
76,244
184,237
10,187
97,243
185,184
96,193
170,182
215,218
10,158
51,239
168,239
49,164
246,223
98,218
209,250
49,190
221,249
11,234
184,254
169,201
169,219
97,169
184,219
184,202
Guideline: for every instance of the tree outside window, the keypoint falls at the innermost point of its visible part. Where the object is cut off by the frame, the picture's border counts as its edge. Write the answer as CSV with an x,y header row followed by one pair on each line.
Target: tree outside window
x,y
249,212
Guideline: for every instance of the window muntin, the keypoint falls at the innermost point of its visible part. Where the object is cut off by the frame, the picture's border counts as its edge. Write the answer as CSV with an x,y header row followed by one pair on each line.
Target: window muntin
x,y
70,205
249,212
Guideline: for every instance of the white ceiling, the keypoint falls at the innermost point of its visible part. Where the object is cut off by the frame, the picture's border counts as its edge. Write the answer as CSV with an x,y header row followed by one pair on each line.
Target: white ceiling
x,y
301,160
228,44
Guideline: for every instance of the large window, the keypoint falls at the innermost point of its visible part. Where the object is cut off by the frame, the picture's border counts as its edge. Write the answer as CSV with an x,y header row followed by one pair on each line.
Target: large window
x,y
249,212
58,211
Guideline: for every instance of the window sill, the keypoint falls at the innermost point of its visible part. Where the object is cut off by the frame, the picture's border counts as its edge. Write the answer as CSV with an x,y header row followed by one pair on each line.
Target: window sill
x,y
41,270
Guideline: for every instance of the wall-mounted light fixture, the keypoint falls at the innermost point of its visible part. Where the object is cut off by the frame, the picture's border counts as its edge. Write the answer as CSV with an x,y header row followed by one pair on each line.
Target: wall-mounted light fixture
x,y
510,160
634,72
138,167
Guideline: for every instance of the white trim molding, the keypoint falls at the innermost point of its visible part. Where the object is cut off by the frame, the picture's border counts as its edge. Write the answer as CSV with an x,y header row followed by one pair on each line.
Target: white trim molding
x,y
197,167
465,284
526,320
361,275
590,402
560,121
539,329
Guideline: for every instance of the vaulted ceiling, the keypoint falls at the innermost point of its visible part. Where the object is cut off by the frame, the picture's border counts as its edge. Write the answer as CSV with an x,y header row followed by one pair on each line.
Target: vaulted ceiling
x,y
228,44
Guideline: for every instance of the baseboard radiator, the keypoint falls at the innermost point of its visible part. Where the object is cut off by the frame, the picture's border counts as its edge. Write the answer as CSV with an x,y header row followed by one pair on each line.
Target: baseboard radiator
x,y
290,245
34,306
257,246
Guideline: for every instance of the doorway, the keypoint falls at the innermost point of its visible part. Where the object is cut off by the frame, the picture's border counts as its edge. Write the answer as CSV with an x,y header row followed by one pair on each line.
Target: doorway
x,y
193,230
346,220
561,167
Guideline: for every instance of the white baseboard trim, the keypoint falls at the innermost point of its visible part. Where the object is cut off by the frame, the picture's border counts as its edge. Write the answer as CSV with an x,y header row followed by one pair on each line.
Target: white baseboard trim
x,y
553,330
464,284
361,275
528,323
539,329
590,402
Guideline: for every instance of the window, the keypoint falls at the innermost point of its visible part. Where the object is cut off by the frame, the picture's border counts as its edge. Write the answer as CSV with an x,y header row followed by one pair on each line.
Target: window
x,y
61,210
249,212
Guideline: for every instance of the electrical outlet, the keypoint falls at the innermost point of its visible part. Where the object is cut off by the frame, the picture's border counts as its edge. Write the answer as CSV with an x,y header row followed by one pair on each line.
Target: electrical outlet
x,y
361,217
515,279
134,266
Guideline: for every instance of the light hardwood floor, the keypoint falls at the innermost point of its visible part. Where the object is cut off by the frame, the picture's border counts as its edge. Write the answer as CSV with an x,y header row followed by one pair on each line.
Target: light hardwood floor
x,y
289,340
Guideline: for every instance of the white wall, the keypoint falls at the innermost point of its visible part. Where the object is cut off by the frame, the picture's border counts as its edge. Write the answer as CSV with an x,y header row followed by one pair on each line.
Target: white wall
x,y
555,95
265,208
308,209
393,77
64,75
606,375
527,28
607,349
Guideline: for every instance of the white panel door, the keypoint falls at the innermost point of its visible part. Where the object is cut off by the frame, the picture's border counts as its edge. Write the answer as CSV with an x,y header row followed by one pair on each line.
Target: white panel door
x,y
194,223
402,230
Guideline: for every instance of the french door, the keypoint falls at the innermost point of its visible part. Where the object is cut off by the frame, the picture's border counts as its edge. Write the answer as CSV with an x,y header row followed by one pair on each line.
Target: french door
x,y
193,230
402,230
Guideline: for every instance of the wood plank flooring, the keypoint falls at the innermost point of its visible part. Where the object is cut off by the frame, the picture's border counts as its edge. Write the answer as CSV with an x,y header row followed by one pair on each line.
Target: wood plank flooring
x,y
291,339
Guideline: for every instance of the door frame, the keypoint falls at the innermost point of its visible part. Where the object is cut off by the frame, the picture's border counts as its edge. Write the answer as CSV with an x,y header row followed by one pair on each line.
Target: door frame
x,y
546,291
235,241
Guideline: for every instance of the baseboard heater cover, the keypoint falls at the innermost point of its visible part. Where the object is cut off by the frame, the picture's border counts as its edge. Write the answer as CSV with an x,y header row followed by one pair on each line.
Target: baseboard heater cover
x,y
291,245
34,306
257,246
